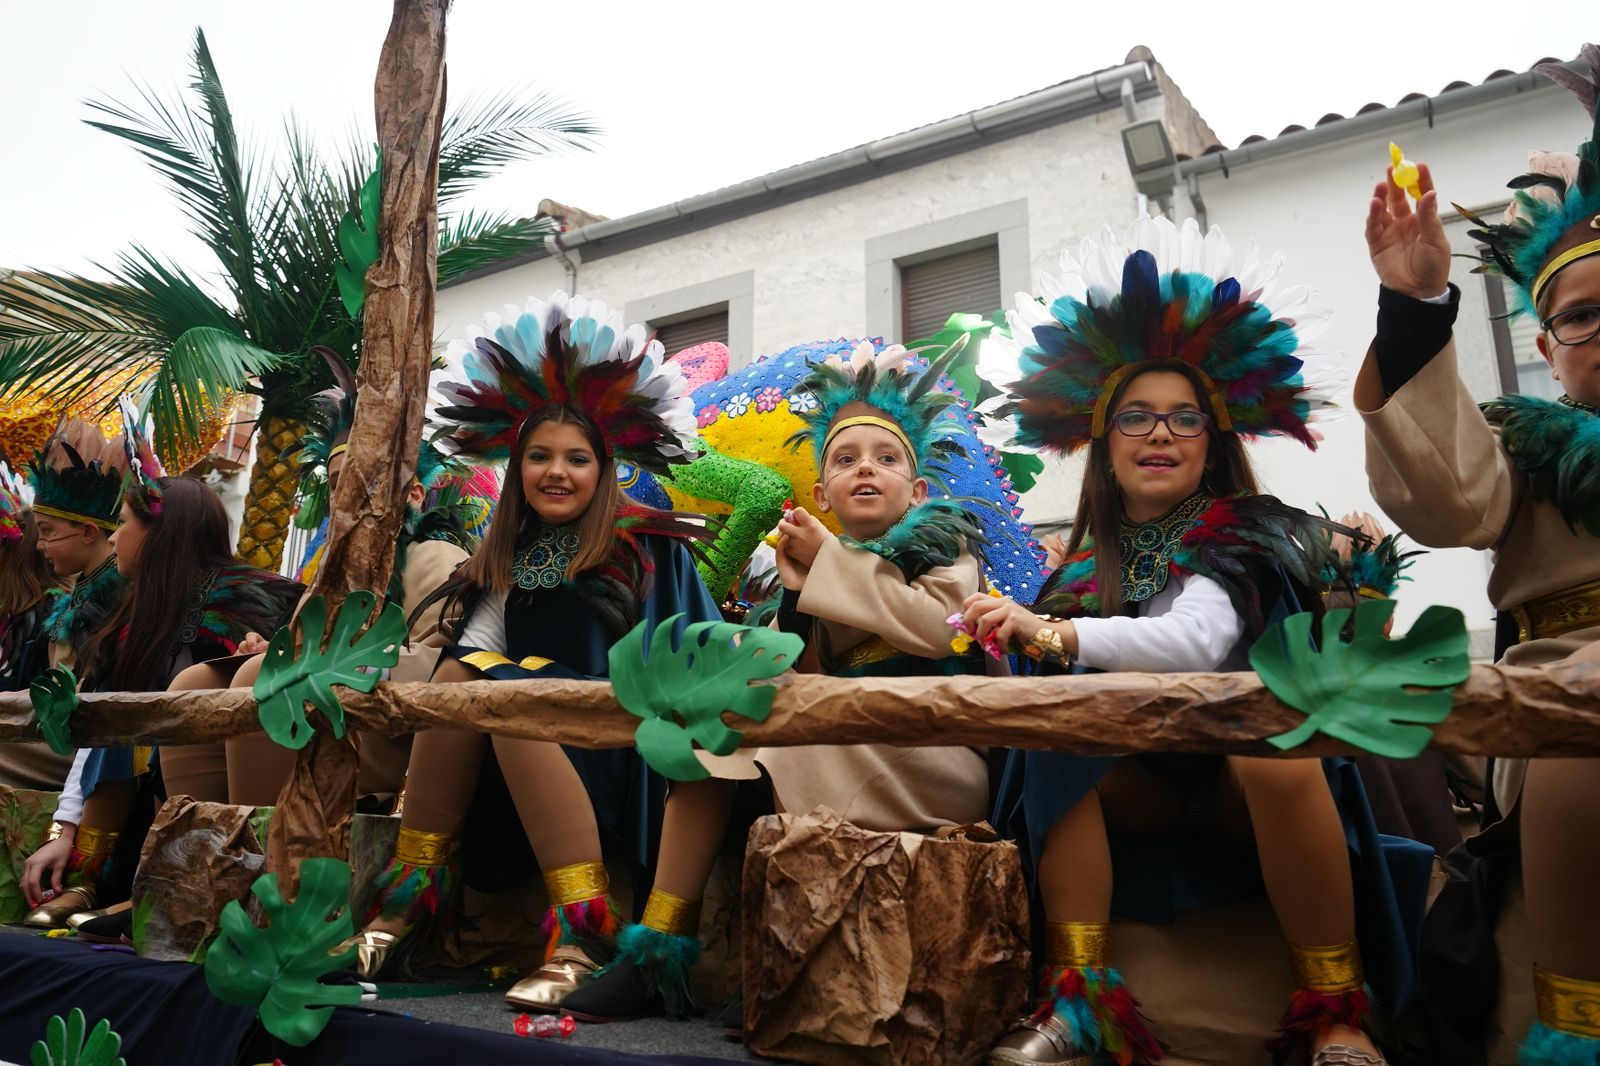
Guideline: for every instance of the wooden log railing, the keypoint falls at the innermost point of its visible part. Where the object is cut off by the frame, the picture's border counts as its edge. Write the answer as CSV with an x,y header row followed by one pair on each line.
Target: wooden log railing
x,y
1500,710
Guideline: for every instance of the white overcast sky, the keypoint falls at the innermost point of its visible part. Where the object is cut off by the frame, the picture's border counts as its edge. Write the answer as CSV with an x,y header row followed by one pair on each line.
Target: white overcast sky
x,y
692,96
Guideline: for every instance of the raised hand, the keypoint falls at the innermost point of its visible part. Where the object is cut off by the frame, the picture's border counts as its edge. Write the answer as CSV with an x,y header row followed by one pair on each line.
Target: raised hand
x,y
1408,248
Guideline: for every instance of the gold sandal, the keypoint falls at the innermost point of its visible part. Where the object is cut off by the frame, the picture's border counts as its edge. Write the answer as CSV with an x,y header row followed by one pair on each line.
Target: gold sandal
x,y
374,948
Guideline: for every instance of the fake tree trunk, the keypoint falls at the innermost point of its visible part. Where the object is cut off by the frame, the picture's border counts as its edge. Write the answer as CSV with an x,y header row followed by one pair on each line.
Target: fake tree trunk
x,y
269,504
314,811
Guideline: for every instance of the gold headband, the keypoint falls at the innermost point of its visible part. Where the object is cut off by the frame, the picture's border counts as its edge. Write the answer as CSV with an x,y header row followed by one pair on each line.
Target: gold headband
x,y
68,516
1560,262
869,420
1219,406
338,450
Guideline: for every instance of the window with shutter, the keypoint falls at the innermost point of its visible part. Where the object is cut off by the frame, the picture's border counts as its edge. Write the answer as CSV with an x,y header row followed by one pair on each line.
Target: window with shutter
x,y
686,332
933,290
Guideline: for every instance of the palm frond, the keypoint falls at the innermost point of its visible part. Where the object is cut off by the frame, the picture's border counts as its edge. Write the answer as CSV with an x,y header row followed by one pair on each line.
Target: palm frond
x,y
488,132
204,365
477,239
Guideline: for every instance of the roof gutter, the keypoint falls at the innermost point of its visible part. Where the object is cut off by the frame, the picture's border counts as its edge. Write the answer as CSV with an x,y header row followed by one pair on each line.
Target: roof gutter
x,y
1104,87
1429,108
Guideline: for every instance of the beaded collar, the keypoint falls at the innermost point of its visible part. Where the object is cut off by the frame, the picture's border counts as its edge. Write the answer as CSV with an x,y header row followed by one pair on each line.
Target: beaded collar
x,y
1147,548
543,562
1579,404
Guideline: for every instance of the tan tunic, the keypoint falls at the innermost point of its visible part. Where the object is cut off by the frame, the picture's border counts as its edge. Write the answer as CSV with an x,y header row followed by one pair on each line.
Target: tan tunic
x,y
857,597
1437,468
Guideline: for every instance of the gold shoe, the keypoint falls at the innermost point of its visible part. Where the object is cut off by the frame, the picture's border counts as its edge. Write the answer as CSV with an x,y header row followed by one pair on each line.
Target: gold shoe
x,y
1031,1043
77,920
544,990
373,949
54,913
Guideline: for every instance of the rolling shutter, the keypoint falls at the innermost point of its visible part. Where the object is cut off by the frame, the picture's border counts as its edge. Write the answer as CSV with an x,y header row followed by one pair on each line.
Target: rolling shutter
x,y
933,291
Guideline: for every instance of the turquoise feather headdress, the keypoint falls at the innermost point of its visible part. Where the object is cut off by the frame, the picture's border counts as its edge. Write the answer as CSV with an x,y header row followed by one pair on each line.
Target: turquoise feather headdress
x,y
142,490
883,382
1164,295
1554,215
1372,568
77,476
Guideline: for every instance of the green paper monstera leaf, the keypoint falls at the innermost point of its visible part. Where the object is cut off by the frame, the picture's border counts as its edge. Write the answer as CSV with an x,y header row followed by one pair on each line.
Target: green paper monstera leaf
x,y
1369,691
287,681
278,970
65,1044
55,696
681,678
358,243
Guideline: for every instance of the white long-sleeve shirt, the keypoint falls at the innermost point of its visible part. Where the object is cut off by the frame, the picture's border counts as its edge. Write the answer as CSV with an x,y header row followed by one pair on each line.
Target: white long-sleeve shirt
x,y
1189,625
69,808
486,628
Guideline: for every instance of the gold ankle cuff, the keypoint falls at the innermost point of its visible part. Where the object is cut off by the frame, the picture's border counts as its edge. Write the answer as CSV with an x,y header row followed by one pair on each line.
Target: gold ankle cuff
x,y
1330,968
666,913
1567,1004
576,883
1077,943
417,847
94,843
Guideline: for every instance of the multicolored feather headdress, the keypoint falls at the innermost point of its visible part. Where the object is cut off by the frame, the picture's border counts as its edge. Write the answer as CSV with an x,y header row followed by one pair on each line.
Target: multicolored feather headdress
x,y
15,498
77,476
575,353
908,403
142,490
1553,219
1167,296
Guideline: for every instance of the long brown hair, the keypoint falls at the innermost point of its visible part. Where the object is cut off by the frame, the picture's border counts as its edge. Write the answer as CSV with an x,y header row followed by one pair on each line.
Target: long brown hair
x,y
189,537
25,574
515,521
1228,472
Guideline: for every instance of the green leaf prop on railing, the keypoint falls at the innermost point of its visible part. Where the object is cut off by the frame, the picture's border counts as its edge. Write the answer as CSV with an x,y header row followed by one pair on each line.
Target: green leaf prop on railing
x,y
287,681
55,696
681,678
1368,691
358,243
278,969
65,1043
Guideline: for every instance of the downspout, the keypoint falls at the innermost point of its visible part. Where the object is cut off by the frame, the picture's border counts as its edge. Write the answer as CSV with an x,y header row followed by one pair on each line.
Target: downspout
x,y
569,261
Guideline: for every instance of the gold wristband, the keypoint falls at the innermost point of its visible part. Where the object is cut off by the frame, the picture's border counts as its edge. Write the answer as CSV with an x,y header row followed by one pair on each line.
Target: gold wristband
x,y
418,847
1046,643
1567,1004
576,883
1077,943
94,843
1330,968
666,913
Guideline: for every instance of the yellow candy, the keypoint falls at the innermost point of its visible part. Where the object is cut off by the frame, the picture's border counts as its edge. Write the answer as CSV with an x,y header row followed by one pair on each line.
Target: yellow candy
x,y
960,643
1406,175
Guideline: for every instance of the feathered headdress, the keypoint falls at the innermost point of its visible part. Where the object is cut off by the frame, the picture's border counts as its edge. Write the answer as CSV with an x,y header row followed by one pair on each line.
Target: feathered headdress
x,y
143,488
1373,569
1168,296
576,353
15,497
908,403
1554,216
77,476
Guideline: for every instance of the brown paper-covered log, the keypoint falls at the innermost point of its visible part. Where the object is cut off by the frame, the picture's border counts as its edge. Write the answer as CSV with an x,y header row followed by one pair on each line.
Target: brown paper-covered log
x,y
1500,710
367,508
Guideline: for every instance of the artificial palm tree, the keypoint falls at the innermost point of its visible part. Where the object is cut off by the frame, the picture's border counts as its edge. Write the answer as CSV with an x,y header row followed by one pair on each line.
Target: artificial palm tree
x,y
273,227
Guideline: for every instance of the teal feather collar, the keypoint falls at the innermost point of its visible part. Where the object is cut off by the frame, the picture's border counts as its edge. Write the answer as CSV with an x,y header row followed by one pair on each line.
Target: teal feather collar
x,y
1557,445
930,535
80,610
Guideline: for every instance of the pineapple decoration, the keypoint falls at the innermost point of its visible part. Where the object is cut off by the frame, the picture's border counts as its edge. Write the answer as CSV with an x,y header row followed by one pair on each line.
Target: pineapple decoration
x,y
269,507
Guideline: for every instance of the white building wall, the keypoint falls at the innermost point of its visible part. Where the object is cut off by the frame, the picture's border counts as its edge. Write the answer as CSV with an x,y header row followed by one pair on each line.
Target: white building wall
x,y
1312,207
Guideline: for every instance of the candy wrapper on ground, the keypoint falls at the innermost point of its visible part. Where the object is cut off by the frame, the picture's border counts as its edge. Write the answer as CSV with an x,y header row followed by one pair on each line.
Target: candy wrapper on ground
x,y
867,947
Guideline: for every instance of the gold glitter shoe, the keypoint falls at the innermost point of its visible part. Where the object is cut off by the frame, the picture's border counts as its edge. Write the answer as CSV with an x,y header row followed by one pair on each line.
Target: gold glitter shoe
x,y
545,989
373,947
1032,1043
54,913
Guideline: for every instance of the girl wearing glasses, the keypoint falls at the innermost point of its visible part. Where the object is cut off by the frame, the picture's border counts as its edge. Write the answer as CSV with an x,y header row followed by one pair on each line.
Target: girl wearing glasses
x,y
1175,563
1517,477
